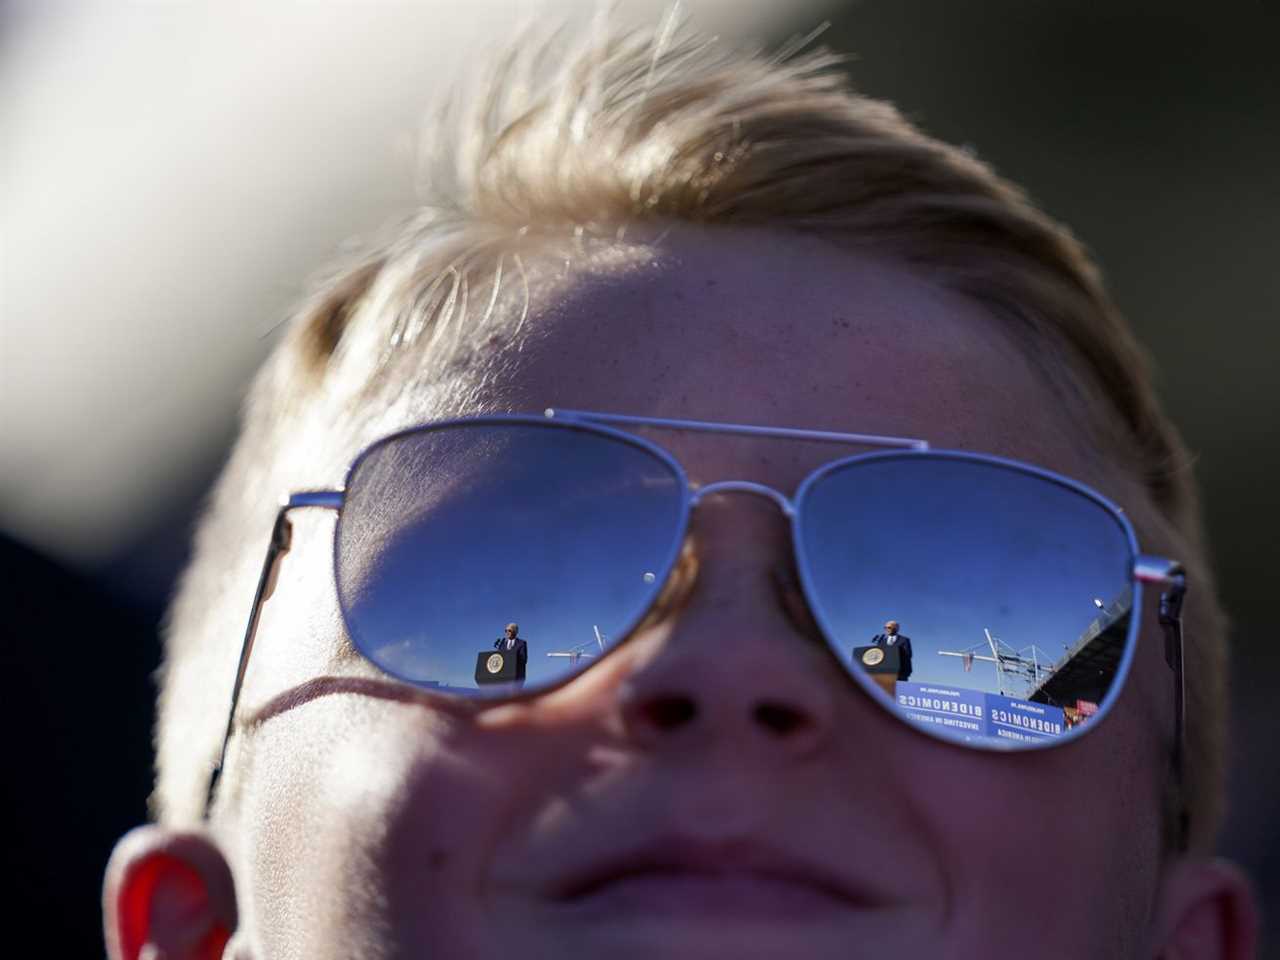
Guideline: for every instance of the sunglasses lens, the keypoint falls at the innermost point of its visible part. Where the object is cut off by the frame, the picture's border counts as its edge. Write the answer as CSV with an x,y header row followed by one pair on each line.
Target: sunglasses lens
x,y
447,536
991,605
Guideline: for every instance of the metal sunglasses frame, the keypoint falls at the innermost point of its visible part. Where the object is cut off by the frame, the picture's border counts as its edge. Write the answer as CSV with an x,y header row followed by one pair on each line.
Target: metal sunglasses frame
x,y
1163,573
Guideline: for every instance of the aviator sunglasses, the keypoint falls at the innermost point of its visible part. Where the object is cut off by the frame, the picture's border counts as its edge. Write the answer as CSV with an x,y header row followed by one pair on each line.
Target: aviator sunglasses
x,y
1015,592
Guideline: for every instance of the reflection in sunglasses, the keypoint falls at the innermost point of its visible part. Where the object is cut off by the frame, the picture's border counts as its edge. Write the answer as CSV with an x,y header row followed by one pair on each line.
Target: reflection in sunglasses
x,y
1028,698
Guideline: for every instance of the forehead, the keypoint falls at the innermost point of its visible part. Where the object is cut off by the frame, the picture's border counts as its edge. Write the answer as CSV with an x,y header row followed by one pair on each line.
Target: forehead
x,y
765,327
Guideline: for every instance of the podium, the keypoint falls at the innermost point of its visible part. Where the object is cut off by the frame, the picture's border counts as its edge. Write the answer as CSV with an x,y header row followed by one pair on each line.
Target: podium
x,y
498,666
882,663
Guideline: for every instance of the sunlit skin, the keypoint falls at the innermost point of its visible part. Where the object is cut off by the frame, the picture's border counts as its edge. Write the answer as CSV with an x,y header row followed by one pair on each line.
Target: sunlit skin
x,y
715,786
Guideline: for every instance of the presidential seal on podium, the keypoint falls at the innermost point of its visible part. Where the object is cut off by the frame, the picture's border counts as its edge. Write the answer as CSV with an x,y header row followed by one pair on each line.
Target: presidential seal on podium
x,y
494,667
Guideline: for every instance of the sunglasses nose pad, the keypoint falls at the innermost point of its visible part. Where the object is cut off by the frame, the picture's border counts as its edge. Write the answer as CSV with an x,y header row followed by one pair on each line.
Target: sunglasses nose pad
x,y
792,600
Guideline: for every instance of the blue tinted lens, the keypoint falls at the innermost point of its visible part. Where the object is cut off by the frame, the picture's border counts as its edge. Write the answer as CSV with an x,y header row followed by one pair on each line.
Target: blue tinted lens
x,y
1011,593
449,534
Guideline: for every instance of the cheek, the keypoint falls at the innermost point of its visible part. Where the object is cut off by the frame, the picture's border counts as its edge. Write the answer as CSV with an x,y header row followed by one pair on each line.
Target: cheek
x,y
360,823
1057,846
312,798
377,823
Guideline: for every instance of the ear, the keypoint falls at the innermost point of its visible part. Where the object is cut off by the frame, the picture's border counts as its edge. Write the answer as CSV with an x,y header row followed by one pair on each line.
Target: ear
x,y
167,894
1206,911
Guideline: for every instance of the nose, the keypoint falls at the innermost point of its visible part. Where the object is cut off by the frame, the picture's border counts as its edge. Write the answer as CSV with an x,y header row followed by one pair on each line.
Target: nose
x,y
740,661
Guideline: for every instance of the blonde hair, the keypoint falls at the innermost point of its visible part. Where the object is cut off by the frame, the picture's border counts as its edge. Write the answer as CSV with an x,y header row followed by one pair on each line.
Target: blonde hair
x,y
584,138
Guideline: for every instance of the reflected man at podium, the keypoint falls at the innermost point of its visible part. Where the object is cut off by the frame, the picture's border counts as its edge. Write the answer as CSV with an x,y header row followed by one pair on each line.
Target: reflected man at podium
x,y
510,640
891,638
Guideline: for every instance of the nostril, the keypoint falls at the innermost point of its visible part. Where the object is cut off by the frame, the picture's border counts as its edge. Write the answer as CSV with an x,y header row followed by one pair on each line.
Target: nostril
x,y
669,712
779,718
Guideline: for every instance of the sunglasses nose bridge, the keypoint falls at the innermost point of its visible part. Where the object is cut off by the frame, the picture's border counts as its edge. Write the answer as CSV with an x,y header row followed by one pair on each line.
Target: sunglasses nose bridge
x,y
745,486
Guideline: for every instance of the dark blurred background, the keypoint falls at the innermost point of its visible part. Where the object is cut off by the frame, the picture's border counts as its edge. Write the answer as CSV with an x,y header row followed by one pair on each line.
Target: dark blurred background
x,y
173,173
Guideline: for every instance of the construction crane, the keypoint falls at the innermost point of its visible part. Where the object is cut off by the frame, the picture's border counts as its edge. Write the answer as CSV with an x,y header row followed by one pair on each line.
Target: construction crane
x,y
584,649
1025,666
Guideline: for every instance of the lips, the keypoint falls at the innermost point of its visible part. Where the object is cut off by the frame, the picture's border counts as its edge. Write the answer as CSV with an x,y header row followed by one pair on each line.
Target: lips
x,y
683,873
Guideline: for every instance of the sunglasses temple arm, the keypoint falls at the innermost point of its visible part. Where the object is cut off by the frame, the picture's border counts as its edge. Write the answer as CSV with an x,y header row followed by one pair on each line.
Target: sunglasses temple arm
x,y
281,539
1171,598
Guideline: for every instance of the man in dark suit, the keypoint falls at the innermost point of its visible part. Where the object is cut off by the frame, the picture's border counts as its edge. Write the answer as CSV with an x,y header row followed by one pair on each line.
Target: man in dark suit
x,y
511,641
892,638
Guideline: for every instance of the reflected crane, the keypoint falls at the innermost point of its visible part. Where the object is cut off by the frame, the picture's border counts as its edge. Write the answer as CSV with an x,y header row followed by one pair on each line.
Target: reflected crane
x,y
587,649
1025,666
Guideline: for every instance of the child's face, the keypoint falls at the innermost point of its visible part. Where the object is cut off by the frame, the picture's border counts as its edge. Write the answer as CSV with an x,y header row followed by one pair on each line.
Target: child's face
x,y
365,820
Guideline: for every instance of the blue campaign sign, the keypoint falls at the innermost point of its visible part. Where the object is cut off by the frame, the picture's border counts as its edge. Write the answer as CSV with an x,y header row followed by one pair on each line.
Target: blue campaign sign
x,y
1011,719
960,711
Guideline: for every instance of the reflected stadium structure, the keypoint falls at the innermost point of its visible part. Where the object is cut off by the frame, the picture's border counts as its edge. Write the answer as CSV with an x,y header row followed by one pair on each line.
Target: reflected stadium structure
x,y
1090,665
1084,672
